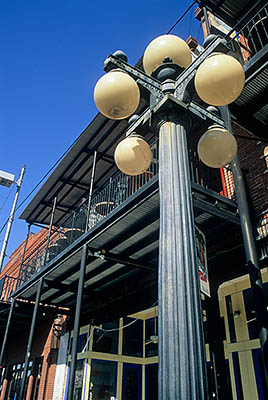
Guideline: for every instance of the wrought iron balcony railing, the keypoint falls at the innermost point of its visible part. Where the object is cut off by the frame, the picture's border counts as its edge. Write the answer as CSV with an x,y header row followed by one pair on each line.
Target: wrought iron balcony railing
x,y
246,41
252,37
7,287
118,189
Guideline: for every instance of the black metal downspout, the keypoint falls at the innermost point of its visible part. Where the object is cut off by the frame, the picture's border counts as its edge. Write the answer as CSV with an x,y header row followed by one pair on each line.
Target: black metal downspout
x,y
77,323
6,331
250,252
30,341
205,14
80,293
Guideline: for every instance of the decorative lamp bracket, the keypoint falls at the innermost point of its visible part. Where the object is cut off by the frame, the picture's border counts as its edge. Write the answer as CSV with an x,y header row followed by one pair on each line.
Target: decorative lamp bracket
x,y
185,78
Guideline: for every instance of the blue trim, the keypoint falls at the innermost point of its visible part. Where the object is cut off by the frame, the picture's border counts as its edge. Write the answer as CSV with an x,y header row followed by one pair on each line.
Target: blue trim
x,y
116,369
71,345
256,354
67,381
238,384
85,381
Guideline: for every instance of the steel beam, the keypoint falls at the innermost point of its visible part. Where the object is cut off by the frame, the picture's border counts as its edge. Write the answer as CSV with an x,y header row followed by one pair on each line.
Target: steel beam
x,y
70,393
6,331
30,340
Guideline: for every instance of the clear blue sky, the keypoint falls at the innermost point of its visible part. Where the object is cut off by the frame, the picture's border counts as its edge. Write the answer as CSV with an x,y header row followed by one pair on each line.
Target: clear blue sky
x,y
52,54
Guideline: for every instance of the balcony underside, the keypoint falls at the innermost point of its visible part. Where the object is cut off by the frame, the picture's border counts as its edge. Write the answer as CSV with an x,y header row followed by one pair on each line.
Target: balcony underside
x,y
121,272
250,110
230,11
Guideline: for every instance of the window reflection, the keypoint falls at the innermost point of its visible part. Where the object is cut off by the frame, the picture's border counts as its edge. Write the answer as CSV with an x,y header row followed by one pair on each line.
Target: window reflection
x,y
151,387
151,334
132,337
132,382
106,342
78,382
103,379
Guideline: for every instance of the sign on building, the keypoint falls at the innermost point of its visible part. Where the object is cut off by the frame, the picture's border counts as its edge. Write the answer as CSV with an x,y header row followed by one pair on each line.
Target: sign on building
x,y
202,261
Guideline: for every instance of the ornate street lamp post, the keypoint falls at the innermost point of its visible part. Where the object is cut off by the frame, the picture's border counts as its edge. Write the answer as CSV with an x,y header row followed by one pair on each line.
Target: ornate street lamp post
x,y
168,59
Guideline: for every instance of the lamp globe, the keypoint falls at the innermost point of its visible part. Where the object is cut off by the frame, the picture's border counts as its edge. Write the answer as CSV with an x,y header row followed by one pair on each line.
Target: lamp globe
x,y
133,155
219,80
116,95
165,48
217,147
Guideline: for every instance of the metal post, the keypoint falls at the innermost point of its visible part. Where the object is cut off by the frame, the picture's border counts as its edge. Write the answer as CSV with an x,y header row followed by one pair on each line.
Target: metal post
x,y
70,394
6,331
30,340
91,187
50,227
11,218
23,255
250,251
205,14
182,365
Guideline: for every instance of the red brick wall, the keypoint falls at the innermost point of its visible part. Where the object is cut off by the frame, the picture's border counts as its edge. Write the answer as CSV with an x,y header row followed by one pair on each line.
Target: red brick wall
x,y
34,240
253,165
44,346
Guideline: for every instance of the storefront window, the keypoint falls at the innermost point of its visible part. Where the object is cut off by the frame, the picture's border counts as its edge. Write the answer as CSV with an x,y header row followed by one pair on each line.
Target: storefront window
x,y
132,337
151,386
79,376
39,363
103,379
105,340
17,371
82,343
250,314
151,335
132,382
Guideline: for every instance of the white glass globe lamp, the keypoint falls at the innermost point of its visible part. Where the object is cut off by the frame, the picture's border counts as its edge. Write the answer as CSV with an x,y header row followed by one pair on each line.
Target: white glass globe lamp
x,y
116,95
219,80
133,155
166,47
217,147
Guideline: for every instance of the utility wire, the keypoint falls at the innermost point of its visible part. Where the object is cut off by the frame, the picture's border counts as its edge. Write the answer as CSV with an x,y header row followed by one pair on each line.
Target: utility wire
x,y
124,326
41,180
6,199
185,12
56,163
190,22
199,30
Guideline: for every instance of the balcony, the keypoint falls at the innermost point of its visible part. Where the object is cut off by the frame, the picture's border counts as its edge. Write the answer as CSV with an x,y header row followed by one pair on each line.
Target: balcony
x,y
92,211
7,287
248,38
128,207
120,221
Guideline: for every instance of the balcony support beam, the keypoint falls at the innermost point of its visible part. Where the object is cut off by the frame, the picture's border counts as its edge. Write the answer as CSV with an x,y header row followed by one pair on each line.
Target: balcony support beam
x,y
77,323
20,279
250,252
6,332
50,228
30,340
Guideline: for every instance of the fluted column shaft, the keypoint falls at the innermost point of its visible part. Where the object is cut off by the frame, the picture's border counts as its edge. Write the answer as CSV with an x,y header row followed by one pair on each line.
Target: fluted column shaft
x,y
182,365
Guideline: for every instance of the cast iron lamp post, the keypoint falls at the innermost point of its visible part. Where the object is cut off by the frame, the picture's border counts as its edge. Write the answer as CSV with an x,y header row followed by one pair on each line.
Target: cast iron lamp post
x,y
182,363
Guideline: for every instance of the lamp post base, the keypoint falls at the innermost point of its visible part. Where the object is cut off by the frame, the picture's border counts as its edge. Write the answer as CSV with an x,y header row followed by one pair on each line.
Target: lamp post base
x,y
182,365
